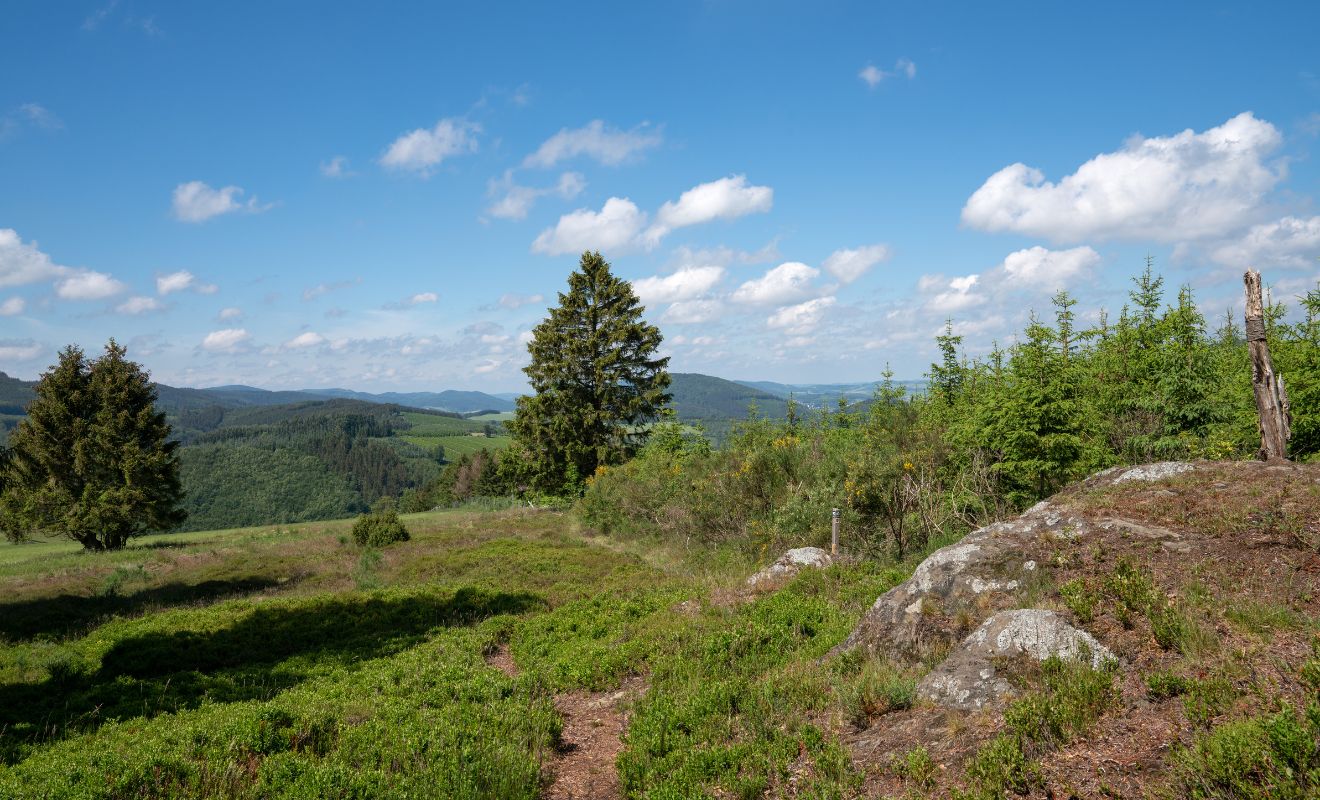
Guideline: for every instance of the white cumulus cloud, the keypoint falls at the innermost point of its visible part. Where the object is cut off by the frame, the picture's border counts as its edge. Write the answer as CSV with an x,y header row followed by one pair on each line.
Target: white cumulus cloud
x,y
685,284
596,140
687,312
139,305
304,340
1040,268
849,265
20,349
87,285
227,314
228,340
1172,188
785,283
802,318
615,226
423,149
196,201
1287,242
23,263
12,306
180,281
949,296
726,198
423,297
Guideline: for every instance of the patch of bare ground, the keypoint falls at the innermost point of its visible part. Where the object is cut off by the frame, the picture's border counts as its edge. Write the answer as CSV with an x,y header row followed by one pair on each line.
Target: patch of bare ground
x,y
949,738
500,658
582,766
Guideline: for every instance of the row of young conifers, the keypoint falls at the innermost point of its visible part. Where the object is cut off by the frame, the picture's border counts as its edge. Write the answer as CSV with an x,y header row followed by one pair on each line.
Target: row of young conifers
x,y
999,428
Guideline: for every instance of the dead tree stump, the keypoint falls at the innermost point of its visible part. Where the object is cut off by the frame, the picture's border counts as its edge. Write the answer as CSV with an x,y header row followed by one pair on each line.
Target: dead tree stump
x,y
1271,396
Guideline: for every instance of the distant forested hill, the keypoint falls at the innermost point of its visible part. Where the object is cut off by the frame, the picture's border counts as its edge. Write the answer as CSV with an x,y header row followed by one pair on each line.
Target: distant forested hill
x,y
448,400
14,397
317,459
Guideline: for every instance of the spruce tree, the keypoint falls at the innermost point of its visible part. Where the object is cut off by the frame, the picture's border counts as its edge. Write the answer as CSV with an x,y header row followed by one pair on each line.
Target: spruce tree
x,y
596,380
93,460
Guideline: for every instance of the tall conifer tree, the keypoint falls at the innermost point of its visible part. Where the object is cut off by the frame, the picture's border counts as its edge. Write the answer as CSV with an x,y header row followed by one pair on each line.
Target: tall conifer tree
x,y
596,380
93,461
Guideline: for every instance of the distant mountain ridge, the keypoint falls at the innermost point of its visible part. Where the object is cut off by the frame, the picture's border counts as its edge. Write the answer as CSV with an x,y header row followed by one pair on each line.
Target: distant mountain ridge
x,y
823,395
463,402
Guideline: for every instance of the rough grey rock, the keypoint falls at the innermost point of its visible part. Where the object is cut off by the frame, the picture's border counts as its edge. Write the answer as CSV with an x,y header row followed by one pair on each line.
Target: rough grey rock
x,y
789,564
987,571
968,679
990,570
1149,473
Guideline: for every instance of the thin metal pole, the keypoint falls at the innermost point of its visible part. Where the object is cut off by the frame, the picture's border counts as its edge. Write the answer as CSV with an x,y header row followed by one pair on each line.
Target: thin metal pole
x,y
834,532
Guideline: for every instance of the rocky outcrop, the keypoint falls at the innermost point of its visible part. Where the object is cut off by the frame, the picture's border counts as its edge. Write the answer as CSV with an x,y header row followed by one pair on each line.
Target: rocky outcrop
x,y
969,678
992,569
786,566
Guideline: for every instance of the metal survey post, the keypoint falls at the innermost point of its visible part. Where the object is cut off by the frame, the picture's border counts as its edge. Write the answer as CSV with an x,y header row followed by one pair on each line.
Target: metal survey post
x,y
834,532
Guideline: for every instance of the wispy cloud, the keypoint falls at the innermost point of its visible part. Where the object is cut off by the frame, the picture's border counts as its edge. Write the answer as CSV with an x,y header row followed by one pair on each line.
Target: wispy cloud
x,y
181,281
336,167
196,201
873,76
422,150
514,201
596,140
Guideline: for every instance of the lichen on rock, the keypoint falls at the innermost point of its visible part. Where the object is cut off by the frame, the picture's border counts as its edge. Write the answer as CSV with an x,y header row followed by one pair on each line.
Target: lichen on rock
x,y
969,679
789,564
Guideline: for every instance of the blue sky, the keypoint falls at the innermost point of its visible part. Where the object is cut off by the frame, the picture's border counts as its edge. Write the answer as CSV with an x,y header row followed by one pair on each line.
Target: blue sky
x,y
388,197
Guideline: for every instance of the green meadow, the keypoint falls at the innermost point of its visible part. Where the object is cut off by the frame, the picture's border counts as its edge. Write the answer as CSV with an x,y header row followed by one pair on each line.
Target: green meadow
x,y
287,662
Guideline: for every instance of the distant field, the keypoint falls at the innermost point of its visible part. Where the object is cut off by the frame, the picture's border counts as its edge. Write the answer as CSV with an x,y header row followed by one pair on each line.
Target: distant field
x,y
455,435
498,416
456,446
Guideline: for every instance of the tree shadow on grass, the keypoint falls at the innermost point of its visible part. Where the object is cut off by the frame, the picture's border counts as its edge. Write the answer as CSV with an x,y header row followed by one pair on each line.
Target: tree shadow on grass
x,y
264,653
70,614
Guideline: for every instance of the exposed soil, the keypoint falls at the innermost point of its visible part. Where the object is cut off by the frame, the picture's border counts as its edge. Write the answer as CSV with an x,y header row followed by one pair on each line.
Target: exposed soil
x,y
582,766
500,659
594,722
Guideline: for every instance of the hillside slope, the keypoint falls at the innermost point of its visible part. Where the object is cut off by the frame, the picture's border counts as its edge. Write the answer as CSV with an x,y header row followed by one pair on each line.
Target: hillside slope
x,y
286,662
716,403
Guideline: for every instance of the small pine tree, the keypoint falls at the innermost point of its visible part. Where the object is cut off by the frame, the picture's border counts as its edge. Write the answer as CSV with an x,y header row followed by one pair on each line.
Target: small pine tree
x,y
596,380
946,377
93,460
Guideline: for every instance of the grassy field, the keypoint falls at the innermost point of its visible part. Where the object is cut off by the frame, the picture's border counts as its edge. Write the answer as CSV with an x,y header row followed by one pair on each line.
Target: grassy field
x,y
455,435
287,662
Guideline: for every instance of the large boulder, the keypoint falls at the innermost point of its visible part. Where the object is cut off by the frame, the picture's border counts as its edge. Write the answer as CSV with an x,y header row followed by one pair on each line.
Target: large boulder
x,y
786,566
992,569
969,679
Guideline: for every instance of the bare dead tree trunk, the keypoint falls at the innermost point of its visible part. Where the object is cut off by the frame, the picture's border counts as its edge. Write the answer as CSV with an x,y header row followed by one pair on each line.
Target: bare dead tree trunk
x,y
1271,396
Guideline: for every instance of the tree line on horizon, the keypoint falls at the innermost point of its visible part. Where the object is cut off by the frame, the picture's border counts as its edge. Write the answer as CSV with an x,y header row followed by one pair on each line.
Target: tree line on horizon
x,y
95,461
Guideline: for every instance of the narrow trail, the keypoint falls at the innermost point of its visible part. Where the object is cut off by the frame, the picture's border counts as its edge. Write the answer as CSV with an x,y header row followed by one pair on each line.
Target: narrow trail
x,y
583,766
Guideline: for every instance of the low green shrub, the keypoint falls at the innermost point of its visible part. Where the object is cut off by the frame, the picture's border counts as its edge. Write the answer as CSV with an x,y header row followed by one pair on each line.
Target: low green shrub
x,y
1163,685
879,688
1000,766
916,767
1070,698
1207,698
379,528
1080,598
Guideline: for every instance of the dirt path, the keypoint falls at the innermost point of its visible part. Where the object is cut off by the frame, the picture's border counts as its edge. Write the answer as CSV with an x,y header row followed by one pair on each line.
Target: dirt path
x,y
582,767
